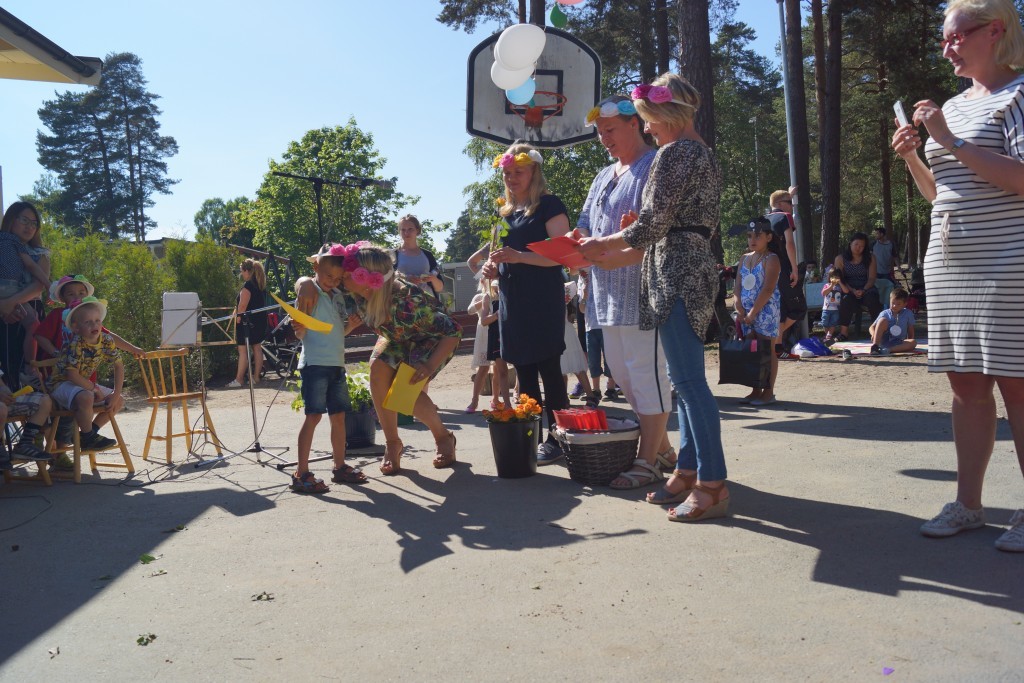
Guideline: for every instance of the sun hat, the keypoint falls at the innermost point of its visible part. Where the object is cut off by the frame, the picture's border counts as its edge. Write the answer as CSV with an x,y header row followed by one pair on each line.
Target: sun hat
x,y
89,300
326,250
58,285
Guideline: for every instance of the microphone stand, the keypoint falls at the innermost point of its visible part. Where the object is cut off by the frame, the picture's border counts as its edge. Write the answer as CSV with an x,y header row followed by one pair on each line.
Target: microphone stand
x,y
318,186
256,447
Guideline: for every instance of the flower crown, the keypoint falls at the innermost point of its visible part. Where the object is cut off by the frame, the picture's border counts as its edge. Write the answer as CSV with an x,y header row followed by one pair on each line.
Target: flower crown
x,y
522,159
610,109
658,94
350,263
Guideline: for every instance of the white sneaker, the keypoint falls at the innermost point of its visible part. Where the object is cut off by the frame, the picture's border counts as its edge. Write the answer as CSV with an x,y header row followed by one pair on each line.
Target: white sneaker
x,y
1013,540
953,519
234,384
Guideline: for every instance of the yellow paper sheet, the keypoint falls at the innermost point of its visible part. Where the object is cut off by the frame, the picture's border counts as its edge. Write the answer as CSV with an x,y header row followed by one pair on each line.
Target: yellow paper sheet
x,y
402,395
307,321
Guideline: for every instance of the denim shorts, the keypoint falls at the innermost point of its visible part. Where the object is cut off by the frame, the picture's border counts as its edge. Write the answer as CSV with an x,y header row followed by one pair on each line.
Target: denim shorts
x,y
324,389
829,319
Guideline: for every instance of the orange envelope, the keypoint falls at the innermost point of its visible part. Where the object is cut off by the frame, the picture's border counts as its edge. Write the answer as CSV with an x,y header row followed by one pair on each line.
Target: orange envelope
x,y
561,249
403,394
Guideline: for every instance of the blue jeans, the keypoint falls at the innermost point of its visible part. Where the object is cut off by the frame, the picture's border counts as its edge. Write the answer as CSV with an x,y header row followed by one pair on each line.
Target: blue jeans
x,y
324,390
595,352
700,427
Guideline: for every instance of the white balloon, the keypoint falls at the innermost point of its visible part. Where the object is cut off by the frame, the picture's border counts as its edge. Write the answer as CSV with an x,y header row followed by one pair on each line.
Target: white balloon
x,y
507,79
519,46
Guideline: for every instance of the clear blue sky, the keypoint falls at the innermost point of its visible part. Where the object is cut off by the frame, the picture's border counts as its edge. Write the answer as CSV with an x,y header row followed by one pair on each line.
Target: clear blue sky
x,y
240,80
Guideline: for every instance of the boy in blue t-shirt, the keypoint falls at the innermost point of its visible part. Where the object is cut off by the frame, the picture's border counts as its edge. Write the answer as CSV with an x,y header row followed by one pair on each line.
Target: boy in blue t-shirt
x,y
322,368
893,330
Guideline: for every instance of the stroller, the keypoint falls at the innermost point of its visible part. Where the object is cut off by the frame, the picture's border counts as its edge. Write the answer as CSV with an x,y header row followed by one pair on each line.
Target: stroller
x,y
281,347
916,302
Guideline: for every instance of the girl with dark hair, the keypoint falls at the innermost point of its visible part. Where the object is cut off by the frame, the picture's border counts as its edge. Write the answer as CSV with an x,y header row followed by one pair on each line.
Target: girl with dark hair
x,y
758,300
858,283
24,274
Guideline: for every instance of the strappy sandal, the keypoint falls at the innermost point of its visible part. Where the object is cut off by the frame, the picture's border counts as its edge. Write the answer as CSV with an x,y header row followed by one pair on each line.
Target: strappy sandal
x,y
664,495
647,475
346,474
695,513
392,465
667,461
445,459
308,483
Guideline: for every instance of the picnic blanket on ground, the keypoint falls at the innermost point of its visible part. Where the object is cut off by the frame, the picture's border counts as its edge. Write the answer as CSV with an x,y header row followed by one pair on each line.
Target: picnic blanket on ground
x,y
863,348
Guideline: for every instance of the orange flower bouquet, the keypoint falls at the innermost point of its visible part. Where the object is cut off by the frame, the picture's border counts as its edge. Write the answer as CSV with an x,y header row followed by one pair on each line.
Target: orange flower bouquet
x,y
525,409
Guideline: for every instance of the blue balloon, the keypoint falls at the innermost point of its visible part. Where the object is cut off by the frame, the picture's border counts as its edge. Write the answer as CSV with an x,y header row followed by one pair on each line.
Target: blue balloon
x,y
523,93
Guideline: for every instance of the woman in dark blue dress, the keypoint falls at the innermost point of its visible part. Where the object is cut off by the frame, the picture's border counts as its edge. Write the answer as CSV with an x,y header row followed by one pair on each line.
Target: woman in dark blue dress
x,y
531,312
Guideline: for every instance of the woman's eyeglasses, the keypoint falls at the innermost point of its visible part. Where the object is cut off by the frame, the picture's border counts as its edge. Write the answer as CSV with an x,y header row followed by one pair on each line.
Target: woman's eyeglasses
x,y
957,39
24,220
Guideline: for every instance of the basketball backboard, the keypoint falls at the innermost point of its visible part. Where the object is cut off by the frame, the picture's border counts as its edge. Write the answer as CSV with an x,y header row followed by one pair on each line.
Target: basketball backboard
x,y
568,77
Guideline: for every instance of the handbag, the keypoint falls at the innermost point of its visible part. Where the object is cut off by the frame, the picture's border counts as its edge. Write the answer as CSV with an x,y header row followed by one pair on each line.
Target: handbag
x,y
744,361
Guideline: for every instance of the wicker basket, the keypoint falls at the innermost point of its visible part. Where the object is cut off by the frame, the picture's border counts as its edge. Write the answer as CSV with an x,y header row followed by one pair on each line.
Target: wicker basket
x,y
596,458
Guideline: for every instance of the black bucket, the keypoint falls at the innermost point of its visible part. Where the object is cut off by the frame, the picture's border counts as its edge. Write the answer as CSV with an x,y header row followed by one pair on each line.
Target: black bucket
x,y
515,447
360,429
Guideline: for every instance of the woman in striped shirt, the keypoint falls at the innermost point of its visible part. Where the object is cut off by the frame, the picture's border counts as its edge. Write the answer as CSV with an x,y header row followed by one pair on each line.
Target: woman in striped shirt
x,y
974,266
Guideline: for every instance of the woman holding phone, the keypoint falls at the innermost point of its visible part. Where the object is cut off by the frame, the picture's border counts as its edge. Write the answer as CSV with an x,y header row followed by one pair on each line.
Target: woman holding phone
x,y
974,267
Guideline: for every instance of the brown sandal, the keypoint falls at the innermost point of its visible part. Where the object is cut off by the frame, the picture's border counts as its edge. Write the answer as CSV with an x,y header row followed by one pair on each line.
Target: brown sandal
x,y
695,513
445,457
392,464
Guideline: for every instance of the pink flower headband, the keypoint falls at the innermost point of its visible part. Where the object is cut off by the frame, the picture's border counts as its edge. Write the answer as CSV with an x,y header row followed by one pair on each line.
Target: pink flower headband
x,y
658,94
350,263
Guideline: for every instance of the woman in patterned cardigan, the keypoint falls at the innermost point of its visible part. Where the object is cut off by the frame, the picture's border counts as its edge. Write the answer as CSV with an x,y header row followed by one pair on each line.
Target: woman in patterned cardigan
x,y
678,282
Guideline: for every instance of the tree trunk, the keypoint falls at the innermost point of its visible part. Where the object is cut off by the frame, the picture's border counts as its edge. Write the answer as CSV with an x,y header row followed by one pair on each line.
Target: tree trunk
x,y
661,35
648,62
695,62
909,189
831,102
537,12
522,11
798,115
819,63
885,152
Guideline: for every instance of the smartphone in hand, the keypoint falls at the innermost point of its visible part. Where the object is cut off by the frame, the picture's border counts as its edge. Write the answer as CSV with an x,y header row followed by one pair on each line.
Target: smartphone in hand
x,y
901,116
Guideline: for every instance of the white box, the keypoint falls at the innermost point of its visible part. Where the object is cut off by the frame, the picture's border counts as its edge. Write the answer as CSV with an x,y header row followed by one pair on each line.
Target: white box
x,y
180,322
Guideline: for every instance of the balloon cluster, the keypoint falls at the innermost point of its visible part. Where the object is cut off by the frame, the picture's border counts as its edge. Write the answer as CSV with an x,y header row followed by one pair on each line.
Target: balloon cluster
x,y
516,53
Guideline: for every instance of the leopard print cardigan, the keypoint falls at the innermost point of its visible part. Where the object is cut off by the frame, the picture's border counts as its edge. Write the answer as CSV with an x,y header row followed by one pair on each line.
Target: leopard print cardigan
x,y
683,189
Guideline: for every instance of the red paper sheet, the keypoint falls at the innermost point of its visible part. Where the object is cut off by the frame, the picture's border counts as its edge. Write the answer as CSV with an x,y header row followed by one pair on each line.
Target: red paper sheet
x,y
560,249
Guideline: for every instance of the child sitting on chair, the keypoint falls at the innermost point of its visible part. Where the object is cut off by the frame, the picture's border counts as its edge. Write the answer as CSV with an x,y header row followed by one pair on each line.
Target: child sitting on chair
x,y
36,407
84,352
893,330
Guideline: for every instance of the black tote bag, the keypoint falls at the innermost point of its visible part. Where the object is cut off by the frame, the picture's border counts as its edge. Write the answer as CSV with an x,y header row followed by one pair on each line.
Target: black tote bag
x,y
744,361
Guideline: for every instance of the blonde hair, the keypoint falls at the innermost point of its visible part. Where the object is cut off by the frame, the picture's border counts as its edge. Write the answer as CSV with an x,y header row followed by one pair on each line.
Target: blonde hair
x,y
256,268
779,196
538,185
671,113
377,309
1010,48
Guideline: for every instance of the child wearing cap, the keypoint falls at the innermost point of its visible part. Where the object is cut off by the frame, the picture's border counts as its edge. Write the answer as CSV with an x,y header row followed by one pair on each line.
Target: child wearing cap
x,y
85,351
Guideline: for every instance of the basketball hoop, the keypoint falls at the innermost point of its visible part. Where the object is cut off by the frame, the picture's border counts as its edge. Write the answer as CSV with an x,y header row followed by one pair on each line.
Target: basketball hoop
x,y
537,114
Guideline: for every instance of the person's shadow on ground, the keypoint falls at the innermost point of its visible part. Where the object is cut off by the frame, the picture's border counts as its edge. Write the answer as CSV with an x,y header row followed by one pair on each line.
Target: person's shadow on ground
x,y
880,551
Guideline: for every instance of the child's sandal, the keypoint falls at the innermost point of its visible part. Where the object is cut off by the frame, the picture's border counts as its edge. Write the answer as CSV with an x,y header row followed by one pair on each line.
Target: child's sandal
x,y
308,483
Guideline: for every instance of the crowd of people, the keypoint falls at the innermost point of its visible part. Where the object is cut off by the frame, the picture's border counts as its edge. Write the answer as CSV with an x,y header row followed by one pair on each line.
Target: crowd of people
x,y
643,303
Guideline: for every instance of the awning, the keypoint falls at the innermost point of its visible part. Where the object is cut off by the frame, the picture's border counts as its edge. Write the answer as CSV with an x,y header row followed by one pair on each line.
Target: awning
x,y
27,55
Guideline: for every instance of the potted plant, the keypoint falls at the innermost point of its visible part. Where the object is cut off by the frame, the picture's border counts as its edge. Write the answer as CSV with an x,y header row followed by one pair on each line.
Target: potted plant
x,y
515,435
360,421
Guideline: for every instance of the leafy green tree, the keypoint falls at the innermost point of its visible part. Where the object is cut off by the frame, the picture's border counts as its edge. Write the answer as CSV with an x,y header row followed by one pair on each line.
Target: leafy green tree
x,y
106,152
283,217
463,241
216,220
